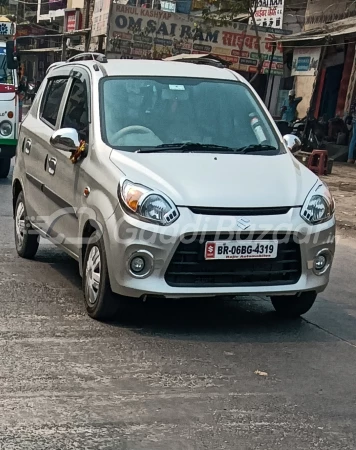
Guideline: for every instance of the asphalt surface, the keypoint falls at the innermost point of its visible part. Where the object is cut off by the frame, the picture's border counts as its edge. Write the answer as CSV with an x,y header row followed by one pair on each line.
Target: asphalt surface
x,y
170,375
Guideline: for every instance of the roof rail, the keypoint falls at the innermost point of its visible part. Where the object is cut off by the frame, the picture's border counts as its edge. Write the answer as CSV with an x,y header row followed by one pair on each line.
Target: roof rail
x,y
207,59
102,59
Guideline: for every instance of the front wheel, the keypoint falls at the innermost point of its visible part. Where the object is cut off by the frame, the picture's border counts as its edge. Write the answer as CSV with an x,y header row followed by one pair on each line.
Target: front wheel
x,y
5,167
293,306
100,302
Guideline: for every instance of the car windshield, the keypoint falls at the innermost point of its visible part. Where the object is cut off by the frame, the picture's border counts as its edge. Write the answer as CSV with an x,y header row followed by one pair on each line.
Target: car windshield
x,y
5,74
184,114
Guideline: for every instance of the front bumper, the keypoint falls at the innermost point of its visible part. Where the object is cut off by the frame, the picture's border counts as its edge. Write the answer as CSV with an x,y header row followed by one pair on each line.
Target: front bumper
x,y
125,236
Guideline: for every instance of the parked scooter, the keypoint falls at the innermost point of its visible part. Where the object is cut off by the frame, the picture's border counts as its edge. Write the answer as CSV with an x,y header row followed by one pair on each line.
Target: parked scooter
x,y
311,133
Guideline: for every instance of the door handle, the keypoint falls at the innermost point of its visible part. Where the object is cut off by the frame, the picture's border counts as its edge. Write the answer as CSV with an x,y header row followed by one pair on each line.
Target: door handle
x,y
28,145
52,164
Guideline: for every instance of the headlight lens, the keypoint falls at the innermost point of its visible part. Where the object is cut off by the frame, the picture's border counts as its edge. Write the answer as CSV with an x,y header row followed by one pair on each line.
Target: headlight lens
x,y
5,128
132,193
148,205
319,206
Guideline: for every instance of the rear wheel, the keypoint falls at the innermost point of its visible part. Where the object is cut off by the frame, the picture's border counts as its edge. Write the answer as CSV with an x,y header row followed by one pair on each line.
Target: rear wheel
x,y
100,302
293,306
26,239
5,164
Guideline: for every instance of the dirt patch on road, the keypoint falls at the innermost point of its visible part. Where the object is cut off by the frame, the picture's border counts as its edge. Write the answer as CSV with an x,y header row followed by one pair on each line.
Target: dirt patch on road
x,y
342,183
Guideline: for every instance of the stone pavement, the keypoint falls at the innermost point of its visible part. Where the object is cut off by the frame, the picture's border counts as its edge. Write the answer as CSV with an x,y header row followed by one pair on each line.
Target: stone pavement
x,y
342,183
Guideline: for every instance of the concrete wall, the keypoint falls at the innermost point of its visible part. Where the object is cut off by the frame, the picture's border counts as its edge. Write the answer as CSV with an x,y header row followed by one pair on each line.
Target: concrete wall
x,y
326,11
304,88
293,18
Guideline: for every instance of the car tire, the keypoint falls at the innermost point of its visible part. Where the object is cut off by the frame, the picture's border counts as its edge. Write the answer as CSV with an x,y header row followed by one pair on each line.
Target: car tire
x,y
26,238
293,306
5,165
100,302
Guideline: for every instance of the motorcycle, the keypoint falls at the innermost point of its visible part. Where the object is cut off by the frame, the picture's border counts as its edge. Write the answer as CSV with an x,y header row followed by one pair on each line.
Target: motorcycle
x,y
311,133
31,91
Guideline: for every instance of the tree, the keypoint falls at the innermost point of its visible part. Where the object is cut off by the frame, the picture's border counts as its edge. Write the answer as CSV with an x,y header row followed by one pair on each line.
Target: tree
x,y
223,12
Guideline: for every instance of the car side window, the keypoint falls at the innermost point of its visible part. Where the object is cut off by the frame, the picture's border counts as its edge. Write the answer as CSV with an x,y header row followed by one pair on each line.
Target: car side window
x,y
76,114
52,99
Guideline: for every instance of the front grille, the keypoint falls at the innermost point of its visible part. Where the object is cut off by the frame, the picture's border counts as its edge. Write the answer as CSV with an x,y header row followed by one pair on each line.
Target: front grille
x,y
188,267
269,211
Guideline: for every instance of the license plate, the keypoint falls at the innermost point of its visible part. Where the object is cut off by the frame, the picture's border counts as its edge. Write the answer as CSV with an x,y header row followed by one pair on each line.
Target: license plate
x,y
241,250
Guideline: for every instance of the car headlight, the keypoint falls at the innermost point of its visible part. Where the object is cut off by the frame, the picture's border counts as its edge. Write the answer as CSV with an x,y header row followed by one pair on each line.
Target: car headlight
x,y
5,128
319,206
146,204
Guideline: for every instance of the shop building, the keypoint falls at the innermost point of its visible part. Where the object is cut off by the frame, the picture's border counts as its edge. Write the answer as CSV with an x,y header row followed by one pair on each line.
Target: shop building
x,y
322,62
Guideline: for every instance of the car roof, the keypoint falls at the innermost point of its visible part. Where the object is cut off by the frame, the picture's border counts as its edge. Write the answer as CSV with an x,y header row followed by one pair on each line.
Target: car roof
x,y
144,67
154,68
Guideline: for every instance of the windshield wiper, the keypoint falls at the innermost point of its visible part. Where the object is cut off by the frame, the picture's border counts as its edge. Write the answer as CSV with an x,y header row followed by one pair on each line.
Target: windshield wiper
x,y
185,147
255,148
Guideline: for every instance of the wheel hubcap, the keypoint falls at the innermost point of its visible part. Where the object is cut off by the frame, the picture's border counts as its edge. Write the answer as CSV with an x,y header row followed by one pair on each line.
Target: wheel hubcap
x,y
93,271
20,224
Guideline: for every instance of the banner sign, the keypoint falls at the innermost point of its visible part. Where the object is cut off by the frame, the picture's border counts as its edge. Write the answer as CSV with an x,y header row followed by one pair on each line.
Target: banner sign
x,y
154,34
72,20
100,17
7,28
29,30
269,13
305,61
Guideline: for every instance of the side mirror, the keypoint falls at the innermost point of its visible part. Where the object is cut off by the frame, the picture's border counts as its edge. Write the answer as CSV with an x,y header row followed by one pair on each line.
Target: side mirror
x,y
11,57
292,142
65,139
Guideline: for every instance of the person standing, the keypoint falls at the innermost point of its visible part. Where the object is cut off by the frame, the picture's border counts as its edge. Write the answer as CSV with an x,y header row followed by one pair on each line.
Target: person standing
x,y
22,94
351,156
289,108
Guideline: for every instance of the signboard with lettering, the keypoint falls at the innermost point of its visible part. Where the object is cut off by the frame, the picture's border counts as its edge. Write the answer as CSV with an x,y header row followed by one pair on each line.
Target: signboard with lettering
x,y
28,30
305,61
100,17
72,20
7,28
156,34
269,13
168,6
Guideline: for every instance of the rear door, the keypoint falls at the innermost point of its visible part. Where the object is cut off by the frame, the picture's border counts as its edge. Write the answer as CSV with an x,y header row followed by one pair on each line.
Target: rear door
x,y
36,132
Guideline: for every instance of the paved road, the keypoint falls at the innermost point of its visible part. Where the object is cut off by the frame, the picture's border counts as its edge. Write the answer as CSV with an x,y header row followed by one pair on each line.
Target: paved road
x,y
172,375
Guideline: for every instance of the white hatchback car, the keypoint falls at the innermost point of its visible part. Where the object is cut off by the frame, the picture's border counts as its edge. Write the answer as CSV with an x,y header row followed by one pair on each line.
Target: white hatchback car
x,y
169,179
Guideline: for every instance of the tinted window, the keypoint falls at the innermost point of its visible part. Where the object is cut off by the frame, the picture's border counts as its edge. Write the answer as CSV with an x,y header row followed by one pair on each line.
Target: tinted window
x,y
76,110
139,112
52,99
6,75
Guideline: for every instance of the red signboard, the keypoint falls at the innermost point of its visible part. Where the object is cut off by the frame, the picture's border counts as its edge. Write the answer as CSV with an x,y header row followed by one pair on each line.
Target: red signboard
x,y
72,20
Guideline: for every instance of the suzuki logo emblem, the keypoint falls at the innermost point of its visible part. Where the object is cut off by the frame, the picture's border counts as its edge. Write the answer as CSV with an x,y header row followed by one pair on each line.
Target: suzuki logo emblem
x,y
243,224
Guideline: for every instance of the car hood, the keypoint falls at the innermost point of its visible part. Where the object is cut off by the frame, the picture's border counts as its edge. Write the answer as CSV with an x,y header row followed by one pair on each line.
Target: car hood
x,y
225,181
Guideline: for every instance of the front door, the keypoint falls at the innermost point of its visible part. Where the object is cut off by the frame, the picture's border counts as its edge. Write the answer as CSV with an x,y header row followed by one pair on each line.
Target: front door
x,y
65,179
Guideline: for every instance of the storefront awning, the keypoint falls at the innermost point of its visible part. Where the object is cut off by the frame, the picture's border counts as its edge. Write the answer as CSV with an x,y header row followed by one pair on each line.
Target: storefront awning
x,y
343,27
49,50
42,50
